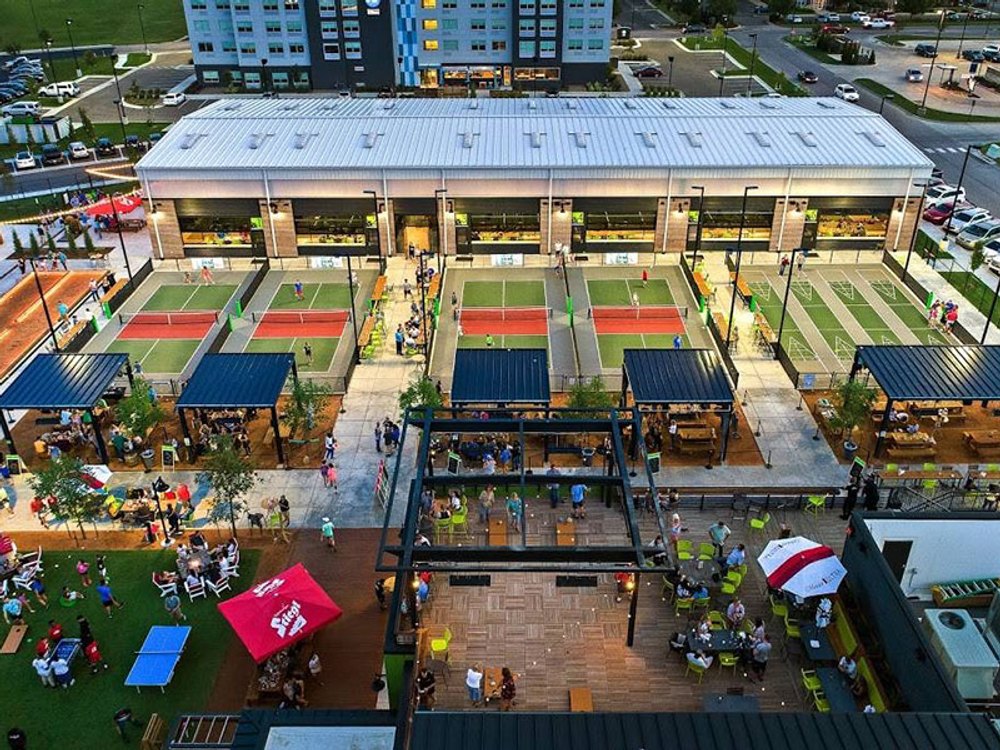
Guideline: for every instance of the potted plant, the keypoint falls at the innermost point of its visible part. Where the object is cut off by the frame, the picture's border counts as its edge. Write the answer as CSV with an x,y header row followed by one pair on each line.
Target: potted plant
x,y
853,401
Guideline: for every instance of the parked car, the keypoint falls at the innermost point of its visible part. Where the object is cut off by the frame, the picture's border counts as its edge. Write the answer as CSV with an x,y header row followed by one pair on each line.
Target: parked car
x,y
878,23
52,154
914,75
21,60
25,160
828,17
972,55
834,29
6,95
940,193
649,71
846,92
859,16
938,213
954,16
925,49
979,233
963,218
174,99
991,250
78,150
990,49
104,147
155,137
694,28
133,142
794,18
22,108
63,88
807,76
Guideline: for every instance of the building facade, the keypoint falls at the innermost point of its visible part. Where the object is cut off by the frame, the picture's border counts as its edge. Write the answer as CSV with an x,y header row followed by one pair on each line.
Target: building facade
x,y
378,44
521,177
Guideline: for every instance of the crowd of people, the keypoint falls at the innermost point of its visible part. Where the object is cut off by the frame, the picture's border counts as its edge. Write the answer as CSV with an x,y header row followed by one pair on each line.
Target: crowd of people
x,y
943,314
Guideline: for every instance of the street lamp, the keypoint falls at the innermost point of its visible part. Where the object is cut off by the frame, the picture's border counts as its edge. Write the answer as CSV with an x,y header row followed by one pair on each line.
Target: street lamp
x,y
958,190
881,104
142,28
670,72
916,225
725,51
993,307
119,104
753,60
784,303
263,74
697,231
739,259
961,41
378,230
45,305
354,313
443,240
121,237
76,62
48,53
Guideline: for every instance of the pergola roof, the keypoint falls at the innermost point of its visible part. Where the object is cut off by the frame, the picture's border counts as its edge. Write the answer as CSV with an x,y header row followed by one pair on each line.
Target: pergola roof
x,y
500,376
934,373
676,376
231,381
63,381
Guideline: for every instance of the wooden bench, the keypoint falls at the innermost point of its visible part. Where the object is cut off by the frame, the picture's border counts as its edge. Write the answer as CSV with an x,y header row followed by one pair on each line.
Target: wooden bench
x,y
13,640
71,334
379,291
581,699
115,288
845,642
876,693
742,288
720,322
700,447
704,288
911,453
155,734
365,334
434,288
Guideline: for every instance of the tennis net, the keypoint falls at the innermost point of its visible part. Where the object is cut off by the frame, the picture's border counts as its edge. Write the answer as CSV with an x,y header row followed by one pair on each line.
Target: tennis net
x,y
506,313
637,312
168,318
301,316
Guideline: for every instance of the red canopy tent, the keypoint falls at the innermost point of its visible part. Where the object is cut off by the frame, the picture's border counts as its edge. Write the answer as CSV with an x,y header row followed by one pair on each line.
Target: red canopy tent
x,y
280,611
124,204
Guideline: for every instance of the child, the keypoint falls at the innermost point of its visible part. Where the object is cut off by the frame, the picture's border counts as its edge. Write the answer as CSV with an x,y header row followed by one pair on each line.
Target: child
x,y
83,568
94,658
331,477
315,667
39,588
69,595
102,568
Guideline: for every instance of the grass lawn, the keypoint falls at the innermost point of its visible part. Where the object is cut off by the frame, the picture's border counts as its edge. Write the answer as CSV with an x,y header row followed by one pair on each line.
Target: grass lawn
x,y
176,297
323,350
618,292
81,716
913,108
809,47
112,130
503,294
167,356
325,296
974,290
94,22
504,342
135,59
742,55
90,65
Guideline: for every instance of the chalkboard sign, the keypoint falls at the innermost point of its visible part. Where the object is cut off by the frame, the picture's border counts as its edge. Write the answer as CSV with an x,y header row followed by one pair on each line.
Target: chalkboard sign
x,y
857,467
454,462
654,462
168,457
13,464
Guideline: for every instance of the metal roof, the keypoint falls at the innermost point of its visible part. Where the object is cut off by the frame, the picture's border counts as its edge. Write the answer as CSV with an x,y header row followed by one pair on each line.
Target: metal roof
x,y
63,381
565,133
500,376
477,730
233,381
935,373
676,376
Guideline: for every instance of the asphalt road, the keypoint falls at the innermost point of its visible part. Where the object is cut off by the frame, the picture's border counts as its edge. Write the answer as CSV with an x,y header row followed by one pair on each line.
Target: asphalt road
x,y
642,15
58,178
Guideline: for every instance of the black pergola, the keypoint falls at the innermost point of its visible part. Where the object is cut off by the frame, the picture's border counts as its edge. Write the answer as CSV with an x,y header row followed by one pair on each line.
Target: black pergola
x,y
930,373
238,381
64,381
662,377
500,377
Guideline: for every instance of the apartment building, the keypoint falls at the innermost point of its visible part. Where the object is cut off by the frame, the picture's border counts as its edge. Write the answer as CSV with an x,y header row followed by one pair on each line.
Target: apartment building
x,y
376,44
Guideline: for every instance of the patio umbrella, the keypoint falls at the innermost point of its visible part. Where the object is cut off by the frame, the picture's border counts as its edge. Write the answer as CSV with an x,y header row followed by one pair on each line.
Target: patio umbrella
x,y
124,204
280,611
801,567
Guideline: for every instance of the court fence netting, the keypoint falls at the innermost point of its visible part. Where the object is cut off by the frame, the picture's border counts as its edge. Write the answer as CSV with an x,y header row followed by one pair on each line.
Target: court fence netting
x,y
168,318
638,312
301,316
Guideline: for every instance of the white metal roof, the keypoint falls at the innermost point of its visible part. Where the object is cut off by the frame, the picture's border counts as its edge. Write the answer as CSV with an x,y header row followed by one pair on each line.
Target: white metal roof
x,y
585,133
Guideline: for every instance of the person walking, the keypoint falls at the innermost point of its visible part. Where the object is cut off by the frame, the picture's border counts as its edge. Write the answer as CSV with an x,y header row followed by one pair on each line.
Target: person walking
x,y
44,671
678,341
508,690
94,658
554,486
307,353
399,338
61,257
123,719
783,265
645,277
326,533
407,289
761,653
474,684
378,437
719,533
329,446
284,510
173,606
331,475
324,471
94,293
107,597
86,634
800,261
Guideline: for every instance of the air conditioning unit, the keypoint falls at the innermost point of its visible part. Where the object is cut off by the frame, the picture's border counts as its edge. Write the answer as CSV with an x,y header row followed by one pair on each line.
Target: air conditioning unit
x,y
963,651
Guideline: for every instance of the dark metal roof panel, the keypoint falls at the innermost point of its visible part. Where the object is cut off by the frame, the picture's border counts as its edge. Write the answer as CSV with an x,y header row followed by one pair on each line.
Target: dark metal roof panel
x,y
970,373
500,376
677,376
229,381
63,381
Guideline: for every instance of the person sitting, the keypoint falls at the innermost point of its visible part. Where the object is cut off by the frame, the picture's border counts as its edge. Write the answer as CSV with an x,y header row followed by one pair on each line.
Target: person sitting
x,y
736,557
224,567
758,630
192,580
700,591
165,577
848,667
441,513
736,613
198,541
659,550
455,499
68,597
704,628
678,642
684,588
214,573
824,612
699,659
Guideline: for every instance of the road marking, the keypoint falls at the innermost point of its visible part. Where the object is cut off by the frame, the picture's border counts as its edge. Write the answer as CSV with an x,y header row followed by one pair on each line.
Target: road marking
x,y
928,150
942,150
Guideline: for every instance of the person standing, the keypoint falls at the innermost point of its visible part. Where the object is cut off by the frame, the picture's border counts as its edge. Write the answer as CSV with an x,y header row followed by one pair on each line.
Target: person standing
x,y
577,493
329,446
61,257
94,658
407,289
783,265
761,653
474,684
645,277
851,500
307,353
719,533
672,431
44,671
123,719
315,667
299,293
399,338
86,634
554,486
871,493
331,475
326,533
489,340
486,499
678,341
508,690
378,437
206,275
63,310
324,472
63,676
425,688
94,294
173,606
800,261
107,597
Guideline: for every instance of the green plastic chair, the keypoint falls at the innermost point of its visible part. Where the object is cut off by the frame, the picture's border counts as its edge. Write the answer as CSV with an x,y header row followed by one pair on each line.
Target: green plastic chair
x,y
460,518
759,524
683,605
811,681
792,629
815,504
891,468
727,659
667,587
822,704
706,551
696,669
441,526
778,609
717,620
930,467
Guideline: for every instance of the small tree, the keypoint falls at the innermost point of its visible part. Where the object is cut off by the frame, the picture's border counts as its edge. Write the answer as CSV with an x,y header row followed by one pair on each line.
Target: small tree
x,y
977,258
18,245
853,401
308,398
137,411
88,244
70,240
33,247
50,244
419,394
231,476
86,124
75,501
590,394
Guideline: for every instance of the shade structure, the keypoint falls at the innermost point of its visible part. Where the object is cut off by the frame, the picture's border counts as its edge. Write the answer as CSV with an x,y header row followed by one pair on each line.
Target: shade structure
x,y
801,567
123,204
280,611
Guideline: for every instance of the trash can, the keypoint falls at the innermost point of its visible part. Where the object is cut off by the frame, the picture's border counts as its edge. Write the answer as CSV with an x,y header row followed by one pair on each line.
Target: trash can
x,y
588,456
147,458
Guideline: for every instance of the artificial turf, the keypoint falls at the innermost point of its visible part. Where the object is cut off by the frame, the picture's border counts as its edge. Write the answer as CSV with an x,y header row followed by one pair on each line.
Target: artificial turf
x,y
911,316
612,346
835,335
81,716
792,339
177,297
867,317
504,342
324,296
167,356
530,293
323,350
618,292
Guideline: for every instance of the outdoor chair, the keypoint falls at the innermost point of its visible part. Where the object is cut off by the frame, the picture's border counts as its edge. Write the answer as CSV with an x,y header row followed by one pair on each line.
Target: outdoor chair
x,y
165,588
701,603
194,591
930,485
727,659
822,704
792,629
460,519
442,526
778,609
233,571
683,604
930,467
218,588
439,646
23,579
667,587
685,549
760,524
717,620
706,552
696,669
992,467
728,588
810,681
741,569
891,468
815,504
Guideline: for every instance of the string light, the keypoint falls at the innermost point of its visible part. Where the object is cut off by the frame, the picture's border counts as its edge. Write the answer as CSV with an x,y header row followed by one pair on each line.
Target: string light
x,y
38,218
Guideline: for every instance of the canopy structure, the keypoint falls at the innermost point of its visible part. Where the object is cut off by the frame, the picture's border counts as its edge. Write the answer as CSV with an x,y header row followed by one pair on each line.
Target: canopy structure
x,y
930,373
120,204
64,381
661,377
499,377
279,612
238,381
801,567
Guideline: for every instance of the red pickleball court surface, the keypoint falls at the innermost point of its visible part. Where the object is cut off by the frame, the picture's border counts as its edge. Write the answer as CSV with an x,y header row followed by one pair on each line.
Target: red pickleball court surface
x,y
150,325
510,321
641,319
290,324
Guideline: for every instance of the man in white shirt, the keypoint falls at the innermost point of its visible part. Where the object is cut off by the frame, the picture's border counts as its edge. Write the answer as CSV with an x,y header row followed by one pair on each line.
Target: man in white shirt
x,y
474,684
700,660
44,671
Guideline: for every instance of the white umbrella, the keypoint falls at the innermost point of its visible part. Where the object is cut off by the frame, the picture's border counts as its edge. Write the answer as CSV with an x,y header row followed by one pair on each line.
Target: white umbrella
x,y
801,567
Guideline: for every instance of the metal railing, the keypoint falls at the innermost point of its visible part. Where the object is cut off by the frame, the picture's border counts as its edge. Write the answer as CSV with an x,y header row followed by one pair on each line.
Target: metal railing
x,y
203,732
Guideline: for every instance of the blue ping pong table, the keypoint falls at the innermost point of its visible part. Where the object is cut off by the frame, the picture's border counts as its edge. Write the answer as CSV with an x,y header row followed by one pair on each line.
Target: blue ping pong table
x,y
161,651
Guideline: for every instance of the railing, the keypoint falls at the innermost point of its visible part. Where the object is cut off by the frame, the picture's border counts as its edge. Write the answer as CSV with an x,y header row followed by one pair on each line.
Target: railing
x,y
203,732
960,331
255,282
720,343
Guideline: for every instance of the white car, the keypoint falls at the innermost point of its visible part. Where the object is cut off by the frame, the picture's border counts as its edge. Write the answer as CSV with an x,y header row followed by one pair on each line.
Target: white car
x,y
846,92
914,75
64,88
878,23
22,108
793,18
964,217
78,150
940,193
859,16
978,233
174,99
25,160
828,17
992,251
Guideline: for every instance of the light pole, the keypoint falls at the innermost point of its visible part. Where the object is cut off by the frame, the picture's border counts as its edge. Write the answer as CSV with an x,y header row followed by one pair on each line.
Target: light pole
x,y
443,240
881,104
670,72
958,189
753,60
48,53
354,313
45,305
263,74
930,69
739,259
120,103
121,237
697,229
725,50
784,302
378,231
76,63
961,41
142,28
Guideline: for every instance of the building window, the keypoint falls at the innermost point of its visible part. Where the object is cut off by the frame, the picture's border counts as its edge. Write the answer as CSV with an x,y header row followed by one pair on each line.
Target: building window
x,y
248,49
272,27
294,27
430,24
201,26
244,27
576,4
478,4
279,80
597,3
526,27
449,24
498,25
331,51
527,7
236,75
596,24
328,29
270,6
575,24
206,47
595,44
221,5
352,29
229,45
526,49
296,49
477,25
449,4
574,45
241,6
547,49
547,27
276,48
291,4
199,5
499,46
478,46
328,7
499,5
252,80
352,50
548,7
210,76
349,7
430,44
450,45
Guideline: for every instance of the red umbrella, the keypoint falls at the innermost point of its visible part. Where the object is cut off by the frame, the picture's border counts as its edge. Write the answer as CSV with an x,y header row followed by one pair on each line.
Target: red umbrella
x,y
277,612
124,204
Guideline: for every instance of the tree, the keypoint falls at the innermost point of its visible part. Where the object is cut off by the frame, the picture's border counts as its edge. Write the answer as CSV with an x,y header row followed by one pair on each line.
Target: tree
x,y
853,402
308,398
419,394
44,36
231,475
780,7
33,245
590,394
75,501
914,6
975,261
88,244
86,124
50,244
137,411
720,10
781,83
18,245
70,241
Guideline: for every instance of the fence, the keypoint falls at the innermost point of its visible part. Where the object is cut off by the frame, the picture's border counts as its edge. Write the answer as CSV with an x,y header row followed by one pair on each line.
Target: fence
x,y
720,343
126,291
219,340
960,331
254,284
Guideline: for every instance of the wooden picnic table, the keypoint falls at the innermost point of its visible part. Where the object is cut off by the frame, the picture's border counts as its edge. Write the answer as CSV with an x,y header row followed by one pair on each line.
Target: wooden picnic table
x,y
704,288
565,534
742,288
696,434
920,475
379,291
498,532
365,334
931,408
982,438
492,680
764,327
910,439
